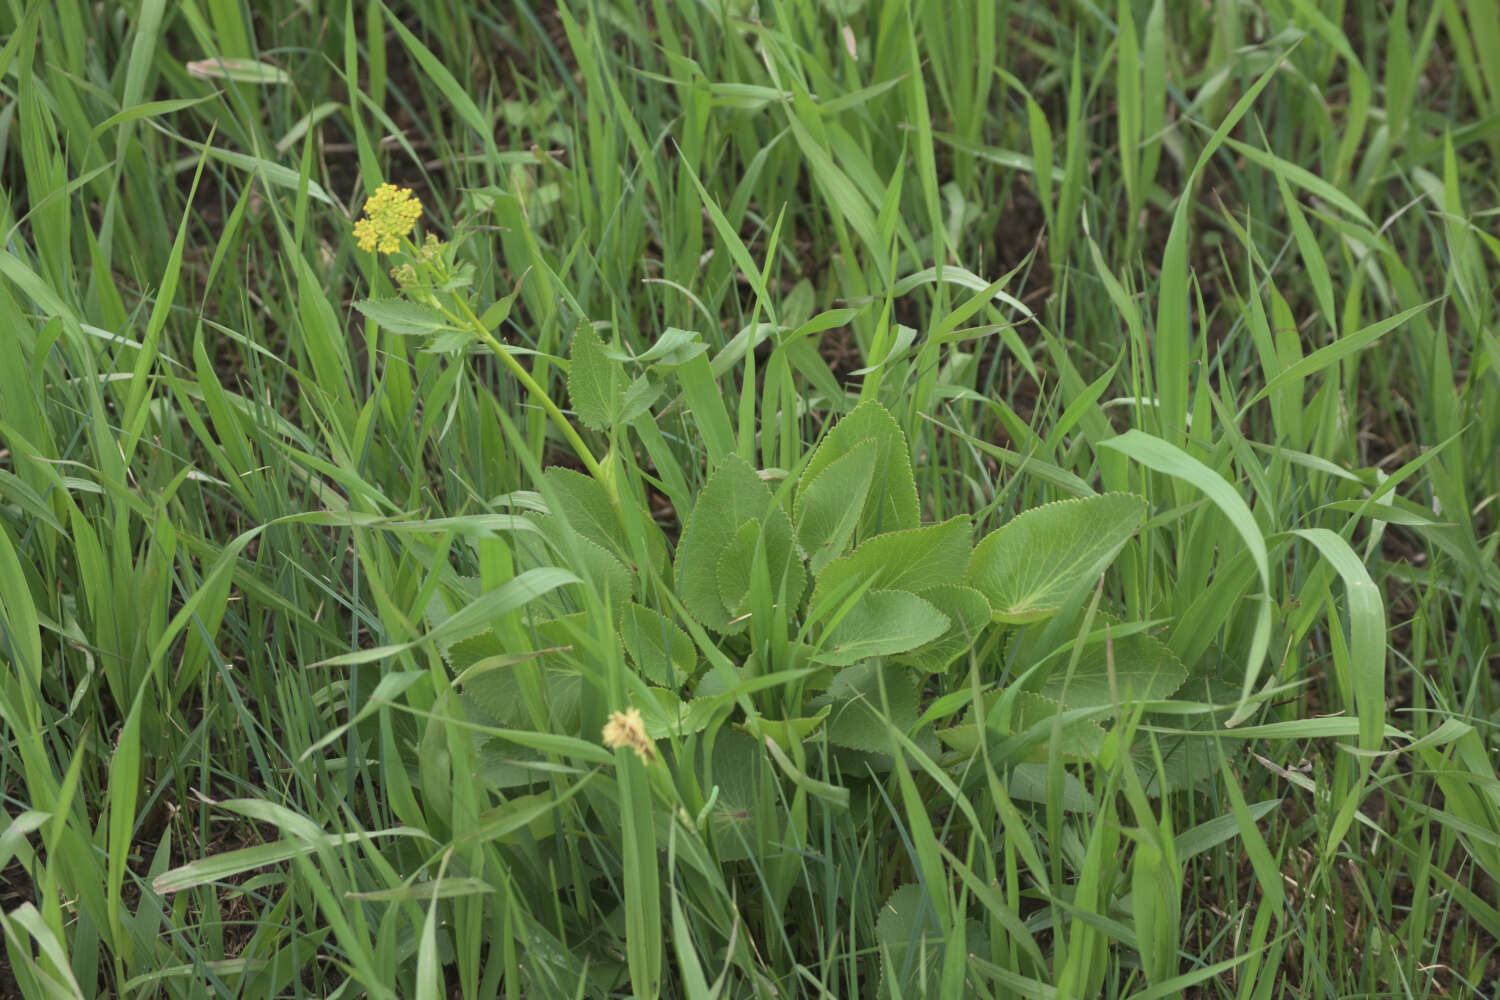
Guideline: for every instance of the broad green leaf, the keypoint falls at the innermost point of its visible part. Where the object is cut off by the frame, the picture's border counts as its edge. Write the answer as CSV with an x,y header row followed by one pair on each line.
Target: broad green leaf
x,y
828,506
487,664
1028,567
912,939
733,496
668,715
739,775
881,623
892,500
736,565
858,719
401,317
913,560
596,383
590,560
733,571
1144,670
586,506
968,612
664,653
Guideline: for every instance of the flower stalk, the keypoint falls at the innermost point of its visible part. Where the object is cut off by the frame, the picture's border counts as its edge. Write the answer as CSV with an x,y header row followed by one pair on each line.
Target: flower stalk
x,y
390,215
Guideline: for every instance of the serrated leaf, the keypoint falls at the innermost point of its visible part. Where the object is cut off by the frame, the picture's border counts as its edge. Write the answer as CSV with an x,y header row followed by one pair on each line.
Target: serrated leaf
x,y
881,623
1145,670
1027,568
663,652
588,510
668,715
912,560
912,940
733,495
892,500
828,507
401,317
449,342
596,383
967,610
591,561
1080,738
498,694
733,571
858,719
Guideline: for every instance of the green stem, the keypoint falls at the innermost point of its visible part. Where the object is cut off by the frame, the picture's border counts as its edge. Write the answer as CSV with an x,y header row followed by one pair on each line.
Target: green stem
x,y
538,393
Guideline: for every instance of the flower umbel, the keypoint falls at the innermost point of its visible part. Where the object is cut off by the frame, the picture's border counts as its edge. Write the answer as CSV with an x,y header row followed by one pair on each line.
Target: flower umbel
x,y
390,213
628,730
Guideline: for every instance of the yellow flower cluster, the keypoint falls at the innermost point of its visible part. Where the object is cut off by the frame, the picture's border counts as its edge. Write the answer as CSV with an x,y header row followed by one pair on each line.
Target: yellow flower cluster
x,y
627,729
390,213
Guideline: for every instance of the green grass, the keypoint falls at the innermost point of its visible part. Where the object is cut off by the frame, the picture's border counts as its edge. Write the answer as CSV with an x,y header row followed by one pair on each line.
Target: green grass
x,y
306,660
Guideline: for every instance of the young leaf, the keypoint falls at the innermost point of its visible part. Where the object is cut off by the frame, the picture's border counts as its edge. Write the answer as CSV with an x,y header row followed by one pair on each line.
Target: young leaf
x,y
892,500
663,652
733,496
828,506
401,317
596,384
733,571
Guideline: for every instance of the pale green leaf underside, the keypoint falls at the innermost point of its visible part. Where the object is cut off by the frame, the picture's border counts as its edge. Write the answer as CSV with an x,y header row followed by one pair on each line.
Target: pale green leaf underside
x,y
1029,567
881,623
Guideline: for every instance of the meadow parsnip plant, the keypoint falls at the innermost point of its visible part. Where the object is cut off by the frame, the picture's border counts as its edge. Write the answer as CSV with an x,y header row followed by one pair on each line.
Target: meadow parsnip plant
x,y
792,499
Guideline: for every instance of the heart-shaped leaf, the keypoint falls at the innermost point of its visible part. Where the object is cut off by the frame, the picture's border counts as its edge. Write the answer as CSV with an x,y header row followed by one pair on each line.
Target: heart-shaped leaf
x,y
881,623
969,613
734,496
1029,567
828,507
663,652
912,560
1144,670
892,500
